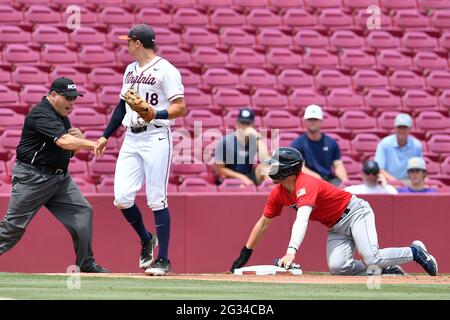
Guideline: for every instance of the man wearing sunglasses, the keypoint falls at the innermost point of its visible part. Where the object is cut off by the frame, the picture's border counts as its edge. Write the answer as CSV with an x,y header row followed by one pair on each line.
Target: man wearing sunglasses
x,y
417,172
374,181
40,176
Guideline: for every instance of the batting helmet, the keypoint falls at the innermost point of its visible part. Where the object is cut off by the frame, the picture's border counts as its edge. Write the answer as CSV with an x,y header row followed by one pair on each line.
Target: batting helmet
x,y
285,162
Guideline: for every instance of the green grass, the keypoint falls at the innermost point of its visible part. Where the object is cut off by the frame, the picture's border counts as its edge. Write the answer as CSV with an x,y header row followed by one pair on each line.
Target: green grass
x,y
26,286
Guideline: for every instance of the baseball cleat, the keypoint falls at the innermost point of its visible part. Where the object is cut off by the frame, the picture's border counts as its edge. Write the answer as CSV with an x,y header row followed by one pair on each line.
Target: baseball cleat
x,y
393,270
147,251
426,260
95,268
160,268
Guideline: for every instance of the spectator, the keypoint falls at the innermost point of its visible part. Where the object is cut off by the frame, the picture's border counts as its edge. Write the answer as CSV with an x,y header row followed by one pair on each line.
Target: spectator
x,y
236,153
394,151
374,181
417,172
321,152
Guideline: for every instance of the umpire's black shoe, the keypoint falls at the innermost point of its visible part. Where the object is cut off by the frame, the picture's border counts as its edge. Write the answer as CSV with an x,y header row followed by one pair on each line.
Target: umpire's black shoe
x,y
95,268
393,271
147,251
422,257
160,268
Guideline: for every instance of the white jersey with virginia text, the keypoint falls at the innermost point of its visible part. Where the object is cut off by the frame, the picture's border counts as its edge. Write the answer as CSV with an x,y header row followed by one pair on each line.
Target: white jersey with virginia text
x,y
158,82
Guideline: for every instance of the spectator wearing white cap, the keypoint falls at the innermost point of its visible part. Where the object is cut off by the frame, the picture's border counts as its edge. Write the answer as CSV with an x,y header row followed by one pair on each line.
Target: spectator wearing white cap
x,y
321,152
394,151
417,172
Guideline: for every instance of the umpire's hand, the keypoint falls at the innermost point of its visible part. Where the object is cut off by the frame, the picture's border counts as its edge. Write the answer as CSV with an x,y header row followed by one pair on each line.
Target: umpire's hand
x,y
242,259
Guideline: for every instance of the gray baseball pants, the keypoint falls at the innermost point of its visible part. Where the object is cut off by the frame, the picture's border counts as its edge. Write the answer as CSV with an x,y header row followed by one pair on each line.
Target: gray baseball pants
x,y
32,189
356,230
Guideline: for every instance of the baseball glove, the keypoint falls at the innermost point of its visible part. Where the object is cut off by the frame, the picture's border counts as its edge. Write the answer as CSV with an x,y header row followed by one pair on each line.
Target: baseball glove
x,y
139,105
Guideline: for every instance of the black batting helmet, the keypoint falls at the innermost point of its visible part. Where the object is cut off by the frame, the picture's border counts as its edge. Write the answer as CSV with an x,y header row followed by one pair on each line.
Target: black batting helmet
x,y
285,162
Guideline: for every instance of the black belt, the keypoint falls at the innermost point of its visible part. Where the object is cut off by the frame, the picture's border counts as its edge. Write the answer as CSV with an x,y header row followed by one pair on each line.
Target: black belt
x,y
342,217
43,169
141,129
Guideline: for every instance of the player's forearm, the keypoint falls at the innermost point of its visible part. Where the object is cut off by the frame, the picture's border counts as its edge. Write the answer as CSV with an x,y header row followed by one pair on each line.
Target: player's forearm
x,y
388,176
69,142
299,229
177,108
258,232
340,172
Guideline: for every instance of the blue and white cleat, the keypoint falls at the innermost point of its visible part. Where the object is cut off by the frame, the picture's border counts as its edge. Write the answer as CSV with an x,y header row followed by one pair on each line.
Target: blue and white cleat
x,y
426,260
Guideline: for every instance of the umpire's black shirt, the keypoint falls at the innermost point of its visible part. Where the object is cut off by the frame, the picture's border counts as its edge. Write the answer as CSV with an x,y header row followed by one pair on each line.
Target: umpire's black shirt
x,y
42,127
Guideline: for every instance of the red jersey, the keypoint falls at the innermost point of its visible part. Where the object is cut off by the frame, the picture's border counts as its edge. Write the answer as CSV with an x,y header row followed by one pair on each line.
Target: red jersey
x,y
328,202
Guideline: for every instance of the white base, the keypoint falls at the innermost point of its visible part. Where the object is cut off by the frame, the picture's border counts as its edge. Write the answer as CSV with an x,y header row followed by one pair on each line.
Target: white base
x,y
267,270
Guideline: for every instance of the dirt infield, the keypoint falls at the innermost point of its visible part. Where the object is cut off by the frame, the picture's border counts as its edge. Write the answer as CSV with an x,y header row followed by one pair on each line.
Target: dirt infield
x,y
305,278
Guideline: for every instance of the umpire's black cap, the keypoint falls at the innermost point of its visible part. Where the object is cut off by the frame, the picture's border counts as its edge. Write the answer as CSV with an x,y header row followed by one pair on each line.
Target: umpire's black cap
x,y
142,32
65,87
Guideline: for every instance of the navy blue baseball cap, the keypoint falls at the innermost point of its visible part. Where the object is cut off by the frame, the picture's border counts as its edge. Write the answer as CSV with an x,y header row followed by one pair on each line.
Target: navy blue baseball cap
x,y
371,166
246,115
142,32
65,87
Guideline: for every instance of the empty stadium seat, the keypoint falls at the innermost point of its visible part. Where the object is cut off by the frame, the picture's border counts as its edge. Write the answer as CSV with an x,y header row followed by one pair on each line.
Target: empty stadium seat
x,y
365,143
209,56
345,146
359,4
189,17
8,97
262,17
320,58
283,58
363,19
302,97
273,38
89,99
212,4
330,123
346,39
69,72
281,119
155,15
246,57
197,99
14,34
353,167
84,186
102,76
354,58
226,17
299,18
380,40
228,98
175,55
101,3
190,79
406,79
58,54
29,75
5,76
285,138
32,94
398,4
87,35
444,99
433,167
219,77
294,78
87,118
115,16
417,100
335,19
369,79
250,4
432,121
429,61
322,4
20,53
109,95
87,17
309,38
40,14
45,34
96,55
77,166
257,78
439,79
332,79
441,19
392,59
381,99
415,40
235,185
10,138
196,185
236,37
439,144
184,168
345,99
106,185
357,121
10,15
269,99
203,117
197,36
410,19
103,166
433,4
10,119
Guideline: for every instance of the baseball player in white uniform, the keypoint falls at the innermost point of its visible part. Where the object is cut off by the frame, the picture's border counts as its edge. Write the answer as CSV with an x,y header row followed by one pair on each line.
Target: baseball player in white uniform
x,y
146,151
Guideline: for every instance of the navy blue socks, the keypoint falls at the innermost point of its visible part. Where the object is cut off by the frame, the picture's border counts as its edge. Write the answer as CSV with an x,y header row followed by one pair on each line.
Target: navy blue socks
x,y
134,217
162,223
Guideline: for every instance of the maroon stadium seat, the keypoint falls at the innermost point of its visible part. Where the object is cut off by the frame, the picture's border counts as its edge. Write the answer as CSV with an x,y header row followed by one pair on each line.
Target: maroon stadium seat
x,y
77,166
155,15
32,94
209,56
380,39
441,19
345,146
88,17
83,185
430,61
330,123
116,16
320,58
285,138
398,4
335,19
9,119
433,4
10,15
166,37
445,166
357,59
197,99
212,4
179,3
418,100
102,3
96,55
345,99
226,17
236,185
346,39
58,54
294,78
186,167
45,34
20,53
322,4
283,58
444,99
269,99
247,57
392,59
302,97
173,54
228,98
357,120
369,79
87,118
332,79
190,79
362,18
196,185
359,4
24,74
40,14
10,139
14,34
411,19
87,35
352,167
5,77
381,100
219,77
257,78
416,40
196,36
365,143
236,37
205,117
281,119
406,79
386,120
439,79
439,144
102,166
309,38
8,96
69,72
106,185
299,18
432,121
109,95
103,76
272,37
262,17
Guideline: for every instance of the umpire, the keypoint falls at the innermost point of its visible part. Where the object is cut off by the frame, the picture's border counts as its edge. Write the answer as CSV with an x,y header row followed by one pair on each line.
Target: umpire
x,y
40,176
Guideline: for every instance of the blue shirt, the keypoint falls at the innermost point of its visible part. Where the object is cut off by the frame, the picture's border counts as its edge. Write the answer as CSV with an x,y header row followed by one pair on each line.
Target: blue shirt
x,y
236,156
393,158
408,190
319,155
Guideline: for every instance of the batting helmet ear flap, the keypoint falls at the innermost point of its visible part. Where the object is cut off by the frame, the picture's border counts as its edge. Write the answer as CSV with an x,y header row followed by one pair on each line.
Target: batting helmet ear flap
x,y
285,162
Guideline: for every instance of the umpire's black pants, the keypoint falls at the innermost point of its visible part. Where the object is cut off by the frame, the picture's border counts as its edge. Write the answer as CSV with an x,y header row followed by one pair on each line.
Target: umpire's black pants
x,y
32,189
